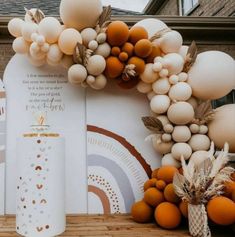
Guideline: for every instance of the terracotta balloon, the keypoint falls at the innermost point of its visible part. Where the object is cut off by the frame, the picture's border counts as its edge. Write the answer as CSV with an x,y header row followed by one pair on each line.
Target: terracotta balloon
x,y
222,127
80,14
212,76
151,25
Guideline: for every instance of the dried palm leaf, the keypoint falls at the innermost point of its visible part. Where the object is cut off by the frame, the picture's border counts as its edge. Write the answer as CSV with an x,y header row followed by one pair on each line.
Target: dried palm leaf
x,y
81,54
35,17
129,71
159,34
104,19
153,124
203,113
190,57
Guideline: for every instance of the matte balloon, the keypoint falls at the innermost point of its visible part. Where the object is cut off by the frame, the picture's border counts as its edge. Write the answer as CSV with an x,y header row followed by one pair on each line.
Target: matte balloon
x,y
96,65
212,76
77,74
151,25
15,27
50,28
28,28
88,35
103,50
174,63
54,54
68,40
80,14
100,82
222,127
20,45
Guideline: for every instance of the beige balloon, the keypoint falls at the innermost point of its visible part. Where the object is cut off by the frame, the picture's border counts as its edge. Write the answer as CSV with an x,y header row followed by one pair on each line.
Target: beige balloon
x,y
212,76
80,14
222,127
68,40
15,27
20,46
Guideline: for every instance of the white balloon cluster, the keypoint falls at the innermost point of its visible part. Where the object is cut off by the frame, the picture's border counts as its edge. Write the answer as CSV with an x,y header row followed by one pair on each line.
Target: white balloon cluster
x,y
174,95
91,72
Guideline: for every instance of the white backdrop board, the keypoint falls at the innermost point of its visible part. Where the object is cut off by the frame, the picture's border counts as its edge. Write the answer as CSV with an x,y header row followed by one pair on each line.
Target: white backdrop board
x,y
107,159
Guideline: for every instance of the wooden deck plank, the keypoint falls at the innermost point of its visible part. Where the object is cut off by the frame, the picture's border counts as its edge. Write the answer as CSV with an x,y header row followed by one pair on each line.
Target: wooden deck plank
x,y
109,226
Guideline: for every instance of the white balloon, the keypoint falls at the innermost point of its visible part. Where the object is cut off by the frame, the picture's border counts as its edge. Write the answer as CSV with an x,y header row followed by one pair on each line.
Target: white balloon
x,y
180,92
160,104
100,82
34,47
168,160
103,50
51,29
15,27
181,149
96,65
80,14
54,54
175,63
151,25
212,76
143,87
161,86
20,45
88,35
77,74
28,28
149,76
199,142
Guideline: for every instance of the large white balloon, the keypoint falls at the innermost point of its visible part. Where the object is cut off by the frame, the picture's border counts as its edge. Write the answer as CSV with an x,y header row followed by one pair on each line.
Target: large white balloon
x,y
15,27
212,76
152,25
20,45
80,14
222,127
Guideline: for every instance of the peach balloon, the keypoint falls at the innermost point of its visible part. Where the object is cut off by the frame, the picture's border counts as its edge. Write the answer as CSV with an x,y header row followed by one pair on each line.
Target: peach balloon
x,y
20,45
68,40
80,14
212,76
222,127
15,27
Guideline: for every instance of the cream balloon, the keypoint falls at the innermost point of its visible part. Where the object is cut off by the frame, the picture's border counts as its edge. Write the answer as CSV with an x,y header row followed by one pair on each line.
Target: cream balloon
x,y
180,113
193,101
143,87
20,46
149,76
181,134
100,82
174,63
88,35
50,28
162,147
198,157
28,28
222,127
180,92
161,86
54,54
212,76
171,42
160,104
199,142
103,50
168,160
151,25
15,27
77,74
80,14
68,40
181,149
101,38
96,65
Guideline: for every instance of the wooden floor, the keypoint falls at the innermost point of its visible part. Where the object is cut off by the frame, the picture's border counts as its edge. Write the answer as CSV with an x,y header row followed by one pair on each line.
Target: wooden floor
x,y
109,226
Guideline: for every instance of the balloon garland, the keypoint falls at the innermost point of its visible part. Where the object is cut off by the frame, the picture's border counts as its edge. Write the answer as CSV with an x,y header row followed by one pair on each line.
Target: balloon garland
x,y
179,82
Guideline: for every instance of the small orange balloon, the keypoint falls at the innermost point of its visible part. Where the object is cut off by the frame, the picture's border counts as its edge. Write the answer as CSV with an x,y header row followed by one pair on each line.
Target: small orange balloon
x,y
114,67
128,48
150,183
115,51
169,194
123,56
143,48
154,173
160,184
167,173
156,51
139,64
183,206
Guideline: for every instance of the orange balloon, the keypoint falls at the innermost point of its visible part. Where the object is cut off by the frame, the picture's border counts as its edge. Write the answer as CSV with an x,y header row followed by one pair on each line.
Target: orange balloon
x,y
114,67
167,173
150,183
183,206
167,215
117,33
142,212
123,56
137,33
153,197
128,48
221,210
170,195
160,184
139,64
143,48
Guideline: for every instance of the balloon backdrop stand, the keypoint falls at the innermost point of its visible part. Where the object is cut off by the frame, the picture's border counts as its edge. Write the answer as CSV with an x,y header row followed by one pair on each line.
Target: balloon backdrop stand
x,y
180,84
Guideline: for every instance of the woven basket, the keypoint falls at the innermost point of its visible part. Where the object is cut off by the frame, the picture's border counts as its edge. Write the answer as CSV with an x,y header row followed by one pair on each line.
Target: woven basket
x,y
198,224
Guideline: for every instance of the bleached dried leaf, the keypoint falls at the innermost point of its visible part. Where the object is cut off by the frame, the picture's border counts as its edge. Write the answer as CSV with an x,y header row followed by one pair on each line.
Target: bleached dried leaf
x,y
35,17
81,54
159,34
104,19
153,124
190,57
